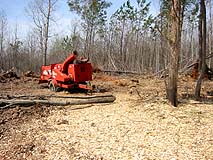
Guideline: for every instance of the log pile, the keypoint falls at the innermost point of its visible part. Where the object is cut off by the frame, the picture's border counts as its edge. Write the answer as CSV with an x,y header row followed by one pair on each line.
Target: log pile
x,y
31,74
96,68
8,76
195,72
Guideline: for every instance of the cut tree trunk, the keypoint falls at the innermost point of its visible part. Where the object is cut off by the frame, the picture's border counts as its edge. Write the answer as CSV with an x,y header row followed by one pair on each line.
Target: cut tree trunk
x,y
45,97
5,103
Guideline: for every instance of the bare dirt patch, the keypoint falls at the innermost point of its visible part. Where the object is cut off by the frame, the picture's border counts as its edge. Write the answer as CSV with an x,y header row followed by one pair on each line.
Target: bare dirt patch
x,y
140,124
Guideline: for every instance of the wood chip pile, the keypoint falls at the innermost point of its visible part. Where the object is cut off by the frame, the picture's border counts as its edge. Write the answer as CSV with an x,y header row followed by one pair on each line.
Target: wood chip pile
x,y
140,124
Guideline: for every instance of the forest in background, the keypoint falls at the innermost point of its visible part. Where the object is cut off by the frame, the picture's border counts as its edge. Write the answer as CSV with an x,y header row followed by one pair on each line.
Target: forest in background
x,y
130,40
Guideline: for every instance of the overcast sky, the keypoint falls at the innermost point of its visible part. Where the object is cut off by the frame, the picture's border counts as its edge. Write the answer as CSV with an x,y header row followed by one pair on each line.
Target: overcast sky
x,y
16,14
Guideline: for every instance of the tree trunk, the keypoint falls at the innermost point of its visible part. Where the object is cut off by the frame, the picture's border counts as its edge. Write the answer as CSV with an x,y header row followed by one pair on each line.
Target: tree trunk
x,y
175,39
121,42
202,50
1,36
46,36
210,33
1,41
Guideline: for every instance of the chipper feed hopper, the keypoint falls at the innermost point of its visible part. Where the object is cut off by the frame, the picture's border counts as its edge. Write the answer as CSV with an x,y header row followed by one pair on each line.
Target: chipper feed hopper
x,y
68,75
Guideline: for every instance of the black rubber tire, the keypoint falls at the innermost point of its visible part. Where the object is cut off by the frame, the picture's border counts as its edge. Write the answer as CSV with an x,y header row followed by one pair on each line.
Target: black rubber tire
x,y
89,92
52,86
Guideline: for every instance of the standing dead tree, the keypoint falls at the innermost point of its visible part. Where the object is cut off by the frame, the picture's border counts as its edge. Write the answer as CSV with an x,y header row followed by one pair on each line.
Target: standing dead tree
x,y
41,13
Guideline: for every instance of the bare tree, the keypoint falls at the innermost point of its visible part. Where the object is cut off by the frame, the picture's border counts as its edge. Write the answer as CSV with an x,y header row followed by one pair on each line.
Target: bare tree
x,y
41,12
3,27
202,47
210,33
32,52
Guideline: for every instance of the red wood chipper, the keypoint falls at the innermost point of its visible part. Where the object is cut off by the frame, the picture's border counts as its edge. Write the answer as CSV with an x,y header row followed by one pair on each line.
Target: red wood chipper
x,y
72,73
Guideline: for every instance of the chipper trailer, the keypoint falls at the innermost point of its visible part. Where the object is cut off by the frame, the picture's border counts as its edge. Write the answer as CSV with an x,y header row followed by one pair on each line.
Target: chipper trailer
x,y
70,74
67,75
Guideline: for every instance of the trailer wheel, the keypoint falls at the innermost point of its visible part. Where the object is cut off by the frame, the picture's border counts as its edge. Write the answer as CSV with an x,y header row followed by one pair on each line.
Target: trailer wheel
x,y
52,86
88,83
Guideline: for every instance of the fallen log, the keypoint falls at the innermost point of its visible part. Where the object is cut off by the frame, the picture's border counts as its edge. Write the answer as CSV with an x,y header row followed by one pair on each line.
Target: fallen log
x,y
121,72
51,96
5,103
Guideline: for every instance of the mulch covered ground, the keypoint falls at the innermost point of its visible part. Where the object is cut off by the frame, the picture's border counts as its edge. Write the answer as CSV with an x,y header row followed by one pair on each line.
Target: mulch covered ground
x,y
140,124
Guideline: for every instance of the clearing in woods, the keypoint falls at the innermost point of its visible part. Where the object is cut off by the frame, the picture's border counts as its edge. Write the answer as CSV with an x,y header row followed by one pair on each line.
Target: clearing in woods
x,y
140,124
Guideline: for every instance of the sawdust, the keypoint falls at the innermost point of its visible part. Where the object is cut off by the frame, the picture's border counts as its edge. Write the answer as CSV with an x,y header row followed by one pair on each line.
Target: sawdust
x,y
140,124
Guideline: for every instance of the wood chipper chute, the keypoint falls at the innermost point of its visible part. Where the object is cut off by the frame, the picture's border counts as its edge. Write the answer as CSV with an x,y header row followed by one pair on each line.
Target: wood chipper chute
x,y
70,74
